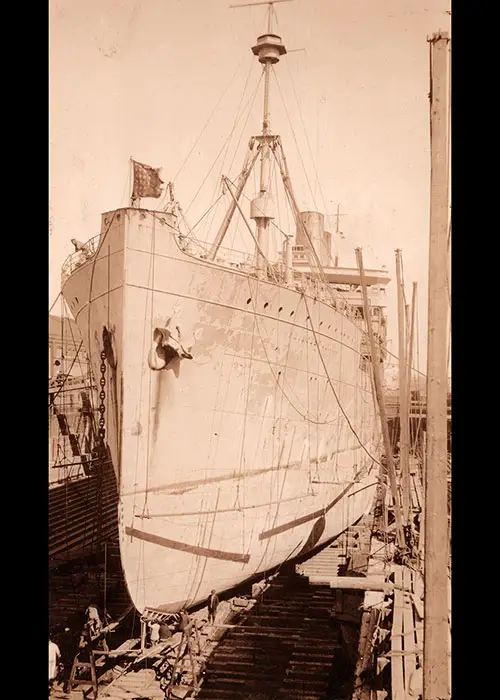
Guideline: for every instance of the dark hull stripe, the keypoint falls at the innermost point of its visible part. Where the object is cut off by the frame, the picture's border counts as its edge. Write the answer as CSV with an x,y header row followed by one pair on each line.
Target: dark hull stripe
x,y
182,546
311,516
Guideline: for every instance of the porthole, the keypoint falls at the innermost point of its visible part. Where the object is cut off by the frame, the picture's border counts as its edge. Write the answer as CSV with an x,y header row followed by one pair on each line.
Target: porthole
x,y
266,304
249,300
280,309
292,313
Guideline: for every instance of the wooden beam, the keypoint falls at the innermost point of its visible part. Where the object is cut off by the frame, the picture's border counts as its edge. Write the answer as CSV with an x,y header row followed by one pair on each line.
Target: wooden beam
x,y
377,380
436,661
403,398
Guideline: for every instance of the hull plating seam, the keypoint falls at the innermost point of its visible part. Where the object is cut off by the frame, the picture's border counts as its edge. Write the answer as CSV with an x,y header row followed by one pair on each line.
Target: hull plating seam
x,y
256,313
172,544
237,475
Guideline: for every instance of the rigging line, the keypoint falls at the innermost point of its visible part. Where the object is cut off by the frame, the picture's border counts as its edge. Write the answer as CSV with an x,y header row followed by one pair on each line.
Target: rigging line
x,y
317,270
248,112
54,302
224,510
207,211
333,388
66,375
271,222
251,98
307,139
72,335
102,240
245,415
448,285
305,416
228,142
213,112
294,137
148,456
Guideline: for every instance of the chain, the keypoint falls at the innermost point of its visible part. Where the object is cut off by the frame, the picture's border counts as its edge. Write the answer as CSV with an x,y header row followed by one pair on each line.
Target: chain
x,y
102,395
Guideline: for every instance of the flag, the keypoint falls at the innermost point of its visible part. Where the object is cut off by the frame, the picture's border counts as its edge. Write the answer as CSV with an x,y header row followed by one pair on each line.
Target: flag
x,y
147,181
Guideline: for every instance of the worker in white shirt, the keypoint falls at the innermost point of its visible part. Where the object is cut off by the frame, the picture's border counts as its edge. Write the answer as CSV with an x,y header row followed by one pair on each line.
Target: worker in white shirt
x,y
54,656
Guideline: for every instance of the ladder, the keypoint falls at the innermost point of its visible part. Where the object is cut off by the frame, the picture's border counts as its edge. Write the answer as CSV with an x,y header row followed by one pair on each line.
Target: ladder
x,y
90,648
186,643
77,664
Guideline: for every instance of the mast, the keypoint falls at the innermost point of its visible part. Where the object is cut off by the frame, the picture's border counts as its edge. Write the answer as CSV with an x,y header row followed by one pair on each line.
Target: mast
x,y
268,48
436,631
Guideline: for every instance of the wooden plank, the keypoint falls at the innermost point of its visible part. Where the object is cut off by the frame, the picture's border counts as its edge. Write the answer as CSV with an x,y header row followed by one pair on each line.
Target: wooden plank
x,y
397,677
124,648
419,623
409,659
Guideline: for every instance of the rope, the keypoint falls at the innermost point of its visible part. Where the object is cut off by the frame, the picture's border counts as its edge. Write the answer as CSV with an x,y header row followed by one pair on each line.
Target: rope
x,y
252,97
210,118
54,302
333,388
307,139
153,253
228,141
66,375
294,137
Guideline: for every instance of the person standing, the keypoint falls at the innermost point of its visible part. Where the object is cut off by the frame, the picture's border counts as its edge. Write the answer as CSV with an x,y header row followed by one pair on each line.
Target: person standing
x,y
165,631
154,632
184,620
93,619
54,656
68,651
213,604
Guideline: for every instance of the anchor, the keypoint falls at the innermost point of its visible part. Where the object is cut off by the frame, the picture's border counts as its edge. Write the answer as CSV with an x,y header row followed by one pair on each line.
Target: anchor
x,y
167,346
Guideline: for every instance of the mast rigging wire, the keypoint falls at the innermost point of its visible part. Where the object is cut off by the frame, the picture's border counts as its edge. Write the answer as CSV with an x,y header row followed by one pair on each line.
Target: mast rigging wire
x,y
251,98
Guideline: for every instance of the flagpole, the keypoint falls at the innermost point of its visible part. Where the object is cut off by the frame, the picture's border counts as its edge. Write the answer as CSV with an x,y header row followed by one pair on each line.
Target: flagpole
x,y
134,201
131,176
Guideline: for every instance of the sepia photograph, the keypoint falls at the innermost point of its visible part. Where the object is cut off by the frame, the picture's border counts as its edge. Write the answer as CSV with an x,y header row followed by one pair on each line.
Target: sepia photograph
x,y
249,333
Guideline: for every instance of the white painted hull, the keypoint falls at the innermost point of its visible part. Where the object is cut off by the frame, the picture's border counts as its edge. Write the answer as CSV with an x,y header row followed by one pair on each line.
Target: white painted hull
x,y
226,461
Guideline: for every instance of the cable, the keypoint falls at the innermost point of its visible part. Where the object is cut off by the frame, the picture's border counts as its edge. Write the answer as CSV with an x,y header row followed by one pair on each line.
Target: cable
x,y
210,117
54,302
66,376
333,388
228,141
307,139
252,97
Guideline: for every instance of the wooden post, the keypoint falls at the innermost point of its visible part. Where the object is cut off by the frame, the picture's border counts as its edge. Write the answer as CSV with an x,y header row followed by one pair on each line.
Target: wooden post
x,y
403,397
381,403
131,174
143,634
436,632
410,347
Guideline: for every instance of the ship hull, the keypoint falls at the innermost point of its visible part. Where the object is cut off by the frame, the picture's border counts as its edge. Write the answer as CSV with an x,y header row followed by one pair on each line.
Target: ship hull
x,y
253,445
82,515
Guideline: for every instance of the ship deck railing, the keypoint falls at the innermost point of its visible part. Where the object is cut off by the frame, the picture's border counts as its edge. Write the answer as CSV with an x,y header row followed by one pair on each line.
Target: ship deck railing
x,y
79,257
234,259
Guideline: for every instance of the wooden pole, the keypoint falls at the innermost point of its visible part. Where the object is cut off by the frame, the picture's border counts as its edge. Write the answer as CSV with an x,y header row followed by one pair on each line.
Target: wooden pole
x,y
131,176
436,633
105,582
381,403
410,345
403,398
